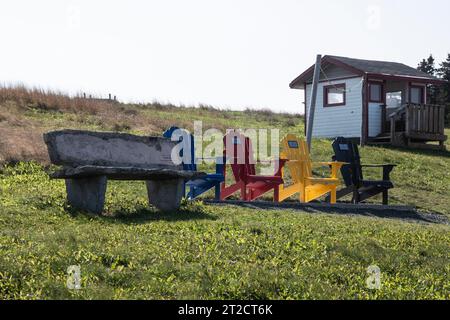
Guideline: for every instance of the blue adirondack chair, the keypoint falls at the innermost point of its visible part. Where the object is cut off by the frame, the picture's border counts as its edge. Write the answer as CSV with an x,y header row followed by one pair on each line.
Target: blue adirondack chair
x,y
200,185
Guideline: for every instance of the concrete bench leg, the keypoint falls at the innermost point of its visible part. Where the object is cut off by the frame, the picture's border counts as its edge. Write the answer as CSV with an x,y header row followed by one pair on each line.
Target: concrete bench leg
x,y
87,194
165,195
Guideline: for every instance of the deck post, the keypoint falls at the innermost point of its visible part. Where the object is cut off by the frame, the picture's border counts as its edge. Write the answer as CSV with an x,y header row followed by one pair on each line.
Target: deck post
x,y
442,120
393,130
408,119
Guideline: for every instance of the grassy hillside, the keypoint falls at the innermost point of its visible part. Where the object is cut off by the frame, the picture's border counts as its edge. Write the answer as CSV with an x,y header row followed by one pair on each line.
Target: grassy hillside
x,y
202,251
422,177
205,252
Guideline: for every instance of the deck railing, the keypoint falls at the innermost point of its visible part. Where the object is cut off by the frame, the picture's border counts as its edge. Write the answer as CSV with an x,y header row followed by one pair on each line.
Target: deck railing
x,y
428,119
414,125
425,119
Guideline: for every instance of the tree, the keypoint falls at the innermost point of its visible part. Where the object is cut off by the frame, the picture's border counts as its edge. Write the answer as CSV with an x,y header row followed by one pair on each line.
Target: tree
x,y
444,96
428,66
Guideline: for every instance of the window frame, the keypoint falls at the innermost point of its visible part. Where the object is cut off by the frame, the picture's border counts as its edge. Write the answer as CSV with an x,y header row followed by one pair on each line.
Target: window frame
x,y
422,92
382,98
325,95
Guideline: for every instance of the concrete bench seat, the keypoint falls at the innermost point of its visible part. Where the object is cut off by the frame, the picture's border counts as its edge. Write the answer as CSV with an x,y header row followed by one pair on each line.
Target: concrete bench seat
x,y
89,159
124,173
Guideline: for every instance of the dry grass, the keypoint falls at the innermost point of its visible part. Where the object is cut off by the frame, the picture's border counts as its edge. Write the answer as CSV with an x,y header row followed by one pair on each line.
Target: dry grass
x,y
21,133
22,144
26,113
50,100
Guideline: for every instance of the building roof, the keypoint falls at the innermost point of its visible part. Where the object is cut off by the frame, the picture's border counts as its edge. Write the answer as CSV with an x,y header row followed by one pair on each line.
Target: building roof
x,y
371,68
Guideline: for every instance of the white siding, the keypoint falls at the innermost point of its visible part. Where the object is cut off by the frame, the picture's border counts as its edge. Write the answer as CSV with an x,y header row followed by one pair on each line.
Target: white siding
x,y
345,121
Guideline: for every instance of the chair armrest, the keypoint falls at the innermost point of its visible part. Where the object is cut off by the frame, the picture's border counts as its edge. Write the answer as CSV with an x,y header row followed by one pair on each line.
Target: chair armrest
x,y
387,172
281,163
210,158
387,168
331,163
253,178
271,160
335,166
220,166
378,165
279,168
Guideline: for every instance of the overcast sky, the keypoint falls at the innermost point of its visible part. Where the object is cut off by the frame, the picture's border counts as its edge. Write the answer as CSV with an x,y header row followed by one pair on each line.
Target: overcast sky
x,y
234,54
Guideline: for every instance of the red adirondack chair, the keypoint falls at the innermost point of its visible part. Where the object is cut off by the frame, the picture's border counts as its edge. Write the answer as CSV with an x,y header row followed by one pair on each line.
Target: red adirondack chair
x,y
239,156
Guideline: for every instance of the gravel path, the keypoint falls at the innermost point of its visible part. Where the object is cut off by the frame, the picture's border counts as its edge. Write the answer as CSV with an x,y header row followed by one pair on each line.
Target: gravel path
x,y
405,213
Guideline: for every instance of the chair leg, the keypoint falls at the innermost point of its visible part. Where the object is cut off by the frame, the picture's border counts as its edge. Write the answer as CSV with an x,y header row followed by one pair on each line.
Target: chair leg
x,y
249,195
333,196
222,191
191,193
302,196
244,192
355,199
385,197
276,194
217,191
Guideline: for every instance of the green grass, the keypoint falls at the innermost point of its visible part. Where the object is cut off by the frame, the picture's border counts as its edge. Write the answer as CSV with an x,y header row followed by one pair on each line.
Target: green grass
x,y
205,252
422,178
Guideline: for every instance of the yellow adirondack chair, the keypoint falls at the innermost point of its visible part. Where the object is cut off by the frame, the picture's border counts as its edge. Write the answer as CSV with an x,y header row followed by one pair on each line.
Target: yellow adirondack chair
x,y
295,152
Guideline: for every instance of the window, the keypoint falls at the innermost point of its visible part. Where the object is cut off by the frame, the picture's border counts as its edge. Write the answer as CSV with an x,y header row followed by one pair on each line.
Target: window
x,y
334,95
416,94
394,99
376,92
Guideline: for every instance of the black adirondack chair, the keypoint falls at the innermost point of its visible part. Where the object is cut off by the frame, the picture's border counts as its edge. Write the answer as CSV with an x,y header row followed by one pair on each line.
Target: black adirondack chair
x,y
347,151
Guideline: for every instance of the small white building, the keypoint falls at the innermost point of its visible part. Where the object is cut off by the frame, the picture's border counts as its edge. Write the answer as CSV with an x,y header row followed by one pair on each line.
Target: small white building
x,y
356,99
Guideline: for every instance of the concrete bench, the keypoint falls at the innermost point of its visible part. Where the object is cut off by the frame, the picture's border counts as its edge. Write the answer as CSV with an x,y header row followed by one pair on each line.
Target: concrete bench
x,y
89,159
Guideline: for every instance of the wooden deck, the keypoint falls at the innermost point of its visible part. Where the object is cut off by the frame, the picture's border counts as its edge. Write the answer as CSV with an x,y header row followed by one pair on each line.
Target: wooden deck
x,y
414,126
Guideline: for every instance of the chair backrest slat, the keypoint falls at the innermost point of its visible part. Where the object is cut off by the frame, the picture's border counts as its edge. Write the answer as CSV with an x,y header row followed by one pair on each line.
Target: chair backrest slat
x,y
189,146
238,152
296,151
347,151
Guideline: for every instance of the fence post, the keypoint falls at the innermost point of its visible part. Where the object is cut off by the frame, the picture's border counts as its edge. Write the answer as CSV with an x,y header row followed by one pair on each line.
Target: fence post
x,y
312,106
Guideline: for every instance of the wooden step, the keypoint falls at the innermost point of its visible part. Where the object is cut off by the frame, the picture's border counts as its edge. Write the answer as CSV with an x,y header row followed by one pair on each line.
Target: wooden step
x,y
381,139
